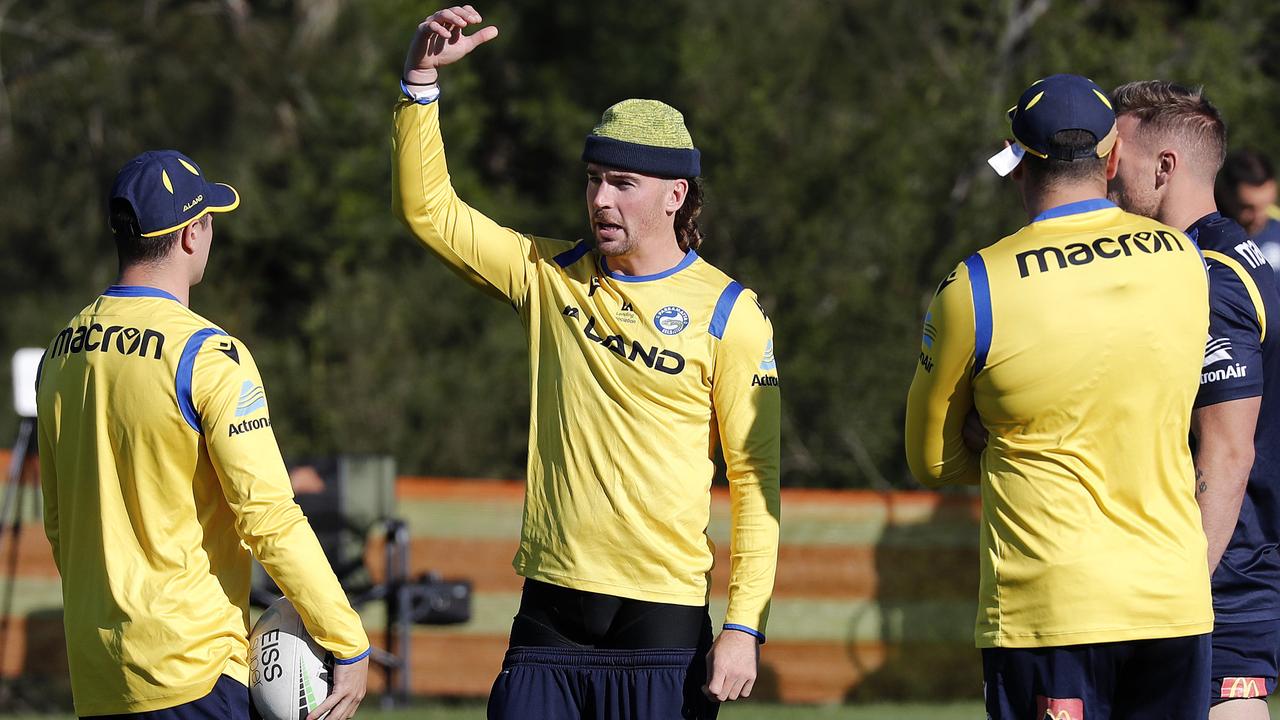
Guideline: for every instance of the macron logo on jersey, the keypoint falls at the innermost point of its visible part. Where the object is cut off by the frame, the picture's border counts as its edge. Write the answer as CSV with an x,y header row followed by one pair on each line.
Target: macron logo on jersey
x,y
1217,350
1103,248
1251,253
252,399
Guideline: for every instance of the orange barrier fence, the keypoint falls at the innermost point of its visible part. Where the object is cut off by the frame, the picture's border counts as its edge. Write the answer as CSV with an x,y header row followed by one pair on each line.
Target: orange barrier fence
x,y
874,597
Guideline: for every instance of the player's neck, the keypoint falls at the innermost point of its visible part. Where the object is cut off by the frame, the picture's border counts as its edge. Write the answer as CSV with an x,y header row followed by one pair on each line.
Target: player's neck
x,y
161,277
1041,200
650,257
1182,209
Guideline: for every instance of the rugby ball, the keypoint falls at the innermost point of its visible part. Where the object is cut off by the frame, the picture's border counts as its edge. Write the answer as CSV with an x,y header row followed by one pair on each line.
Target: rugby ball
x,y
289,674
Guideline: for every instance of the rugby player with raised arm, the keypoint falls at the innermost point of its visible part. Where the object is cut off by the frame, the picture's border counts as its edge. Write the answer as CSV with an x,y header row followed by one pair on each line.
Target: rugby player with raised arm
x,y
644,358
1078,340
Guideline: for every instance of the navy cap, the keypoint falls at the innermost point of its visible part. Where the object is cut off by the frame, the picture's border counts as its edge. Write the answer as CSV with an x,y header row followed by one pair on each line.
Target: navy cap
x,y
1051,105
167,191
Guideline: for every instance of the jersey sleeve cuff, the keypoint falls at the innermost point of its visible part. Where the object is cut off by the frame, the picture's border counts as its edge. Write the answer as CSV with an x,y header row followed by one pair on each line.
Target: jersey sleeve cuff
x,y
426,95
743,628
1213,396
354,660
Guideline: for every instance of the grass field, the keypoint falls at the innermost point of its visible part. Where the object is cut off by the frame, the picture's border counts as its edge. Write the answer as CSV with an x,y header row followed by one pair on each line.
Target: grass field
x,y
743,711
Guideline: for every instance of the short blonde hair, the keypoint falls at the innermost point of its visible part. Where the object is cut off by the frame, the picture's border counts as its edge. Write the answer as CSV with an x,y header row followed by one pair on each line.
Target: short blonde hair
x,y
1175,111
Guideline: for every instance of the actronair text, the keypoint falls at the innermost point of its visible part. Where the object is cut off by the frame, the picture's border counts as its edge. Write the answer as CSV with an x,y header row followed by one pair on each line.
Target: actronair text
x,y
1226,373
245,426
1104,248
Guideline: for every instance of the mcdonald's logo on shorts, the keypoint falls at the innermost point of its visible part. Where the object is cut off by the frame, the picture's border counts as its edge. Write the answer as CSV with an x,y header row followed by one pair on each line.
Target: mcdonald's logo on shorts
x,y
1048,708
1244,687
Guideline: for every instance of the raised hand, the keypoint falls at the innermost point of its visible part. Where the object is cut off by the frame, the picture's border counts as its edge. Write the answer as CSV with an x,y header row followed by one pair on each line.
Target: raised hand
x,y
439,41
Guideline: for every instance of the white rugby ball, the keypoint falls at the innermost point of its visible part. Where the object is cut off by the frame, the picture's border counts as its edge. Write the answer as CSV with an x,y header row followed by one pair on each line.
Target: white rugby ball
x,y
289,674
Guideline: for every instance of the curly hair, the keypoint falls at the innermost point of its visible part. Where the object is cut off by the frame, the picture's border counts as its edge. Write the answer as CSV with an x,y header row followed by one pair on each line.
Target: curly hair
x,y
687,233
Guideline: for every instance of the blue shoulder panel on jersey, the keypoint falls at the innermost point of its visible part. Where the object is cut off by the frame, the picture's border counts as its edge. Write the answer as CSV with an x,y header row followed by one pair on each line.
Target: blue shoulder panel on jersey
x,y
135,291
724,306
981,291
573,254
743,628
182,379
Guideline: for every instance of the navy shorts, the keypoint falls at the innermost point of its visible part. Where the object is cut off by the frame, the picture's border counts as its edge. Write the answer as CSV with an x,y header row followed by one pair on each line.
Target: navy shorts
x,y
229,700
1134,680
578,655
1245,660
573,683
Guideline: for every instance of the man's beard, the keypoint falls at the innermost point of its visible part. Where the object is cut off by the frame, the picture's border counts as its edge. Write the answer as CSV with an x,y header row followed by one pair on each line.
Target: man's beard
x,y
616,246
1147,205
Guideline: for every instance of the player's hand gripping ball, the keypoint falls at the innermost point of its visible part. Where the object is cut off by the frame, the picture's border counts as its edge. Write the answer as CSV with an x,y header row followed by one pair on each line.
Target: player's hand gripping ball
x,y
289,674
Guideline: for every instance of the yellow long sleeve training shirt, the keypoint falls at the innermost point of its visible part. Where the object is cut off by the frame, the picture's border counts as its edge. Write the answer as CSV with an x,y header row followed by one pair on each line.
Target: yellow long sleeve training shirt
x,y
160,474
1079,339
634,381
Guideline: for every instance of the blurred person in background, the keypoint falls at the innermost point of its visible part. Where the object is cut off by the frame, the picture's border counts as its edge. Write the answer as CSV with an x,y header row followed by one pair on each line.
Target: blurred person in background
x,y
1173,143
1076,343
162,479
1246,192
644,357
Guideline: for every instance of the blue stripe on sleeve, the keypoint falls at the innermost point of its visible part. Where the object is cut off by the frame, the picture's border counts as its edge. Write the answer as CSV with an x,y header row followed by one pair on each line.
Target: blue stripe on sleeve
x,y
981,291
354,660
573,254
724,306
182,379
743,628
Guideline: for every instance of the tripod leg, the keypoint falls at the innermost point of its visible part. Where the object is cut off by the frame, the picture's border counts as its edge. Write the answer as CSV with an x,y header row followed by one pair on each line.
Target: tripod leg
x,y
16,462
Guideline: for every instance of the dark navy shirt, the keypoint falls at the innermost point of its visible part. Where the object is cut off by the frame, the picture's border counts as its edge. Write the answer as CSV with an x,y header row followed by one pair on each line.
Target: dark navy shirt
x,y
1242,360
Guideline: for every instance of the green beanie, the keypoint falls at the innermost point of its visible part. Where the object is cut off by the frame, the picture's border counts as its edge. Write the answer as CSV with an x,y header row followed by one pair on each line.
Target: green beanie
x,y
644,136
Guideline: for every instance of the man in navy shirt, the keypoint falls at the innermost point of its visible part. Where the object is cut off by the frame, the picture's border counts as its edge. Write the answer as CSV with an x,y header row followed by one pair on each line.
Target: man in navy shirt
x,y
1173,142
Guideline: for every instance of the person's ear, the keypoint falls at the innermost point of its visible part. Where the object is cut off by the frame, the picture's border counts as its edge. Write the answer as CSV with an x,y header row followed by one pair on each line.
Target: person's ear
x,y
187,238
1166,166
1113,160
676,194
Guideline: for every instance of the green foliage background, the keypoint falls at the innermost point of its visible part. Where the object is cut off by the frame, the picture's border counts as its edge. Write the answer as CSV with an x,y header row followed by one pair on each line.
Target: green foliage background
x,y
844,144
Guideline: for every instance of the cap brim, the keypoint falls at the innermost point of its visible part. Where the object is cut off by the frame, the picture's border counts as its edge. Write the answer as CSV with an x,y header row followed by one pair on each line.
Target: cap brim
x,y
1007,159
218,198
221,197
